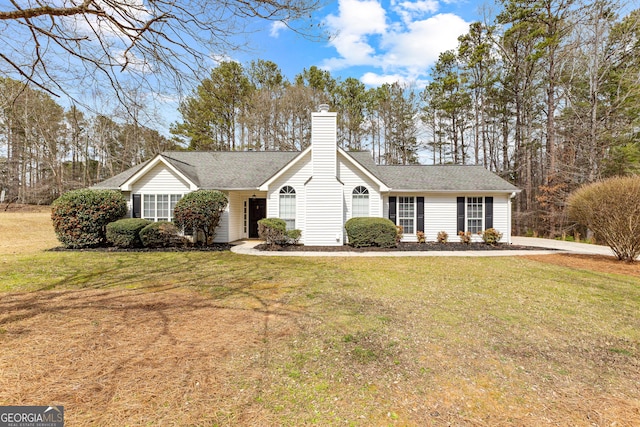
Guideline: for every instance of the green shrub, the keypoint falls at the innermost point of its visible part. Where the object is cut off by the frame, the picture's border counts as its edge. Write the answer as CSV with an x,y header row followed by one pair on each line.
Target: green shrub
x,y
80,217
611,209
125,233
274,232
443,237
370,231
294,236
491,236
199,212
161,234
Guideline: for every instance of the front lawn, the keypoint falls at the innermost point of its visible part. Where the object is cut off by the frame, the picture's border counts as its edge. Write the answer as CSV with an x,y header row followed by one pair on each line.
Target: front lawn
x,y
198,338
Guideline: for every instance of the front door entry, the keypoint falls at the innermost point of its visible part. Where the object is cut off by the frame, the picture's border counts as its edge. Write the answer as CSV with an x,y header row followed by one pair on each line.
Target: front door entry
x,y
257,211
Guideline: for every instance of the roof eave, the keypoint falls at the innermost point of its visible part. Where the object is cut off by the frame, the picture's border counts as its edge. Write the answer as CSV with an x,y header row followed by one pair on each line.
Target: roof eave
x,y
127,185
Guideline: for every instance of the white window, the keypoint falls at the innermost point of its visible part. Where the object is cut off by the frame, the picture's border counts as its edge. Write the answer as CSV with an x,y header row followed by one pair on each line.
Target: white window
x,y
159,207
475,214
360,202
288,206
406,214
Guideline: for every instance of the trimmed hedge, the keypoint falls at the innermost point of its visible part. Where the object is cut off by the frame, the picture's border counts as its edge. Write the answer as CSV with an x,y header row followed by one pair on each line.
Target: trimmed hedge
x,y
200,212
274,232
611,209
370,231
125,233
80,217
161,234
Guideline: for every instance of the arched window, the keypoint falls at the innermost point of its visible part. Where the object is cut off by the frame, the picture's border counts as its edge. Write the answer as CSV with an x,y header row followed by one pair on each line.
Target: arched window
x,y
360,201
288,206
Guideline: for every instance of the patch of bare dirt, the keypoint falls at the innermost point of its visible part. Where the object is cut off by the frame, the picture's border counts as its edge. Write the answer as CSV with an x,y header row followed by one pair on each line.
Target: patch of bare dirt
x,y
599,263
118,357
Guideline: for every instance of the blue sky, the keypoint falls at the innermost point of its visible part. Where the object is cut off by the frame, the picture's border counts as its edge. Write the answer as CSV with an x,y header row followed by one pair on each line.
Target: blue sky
x,y
374,41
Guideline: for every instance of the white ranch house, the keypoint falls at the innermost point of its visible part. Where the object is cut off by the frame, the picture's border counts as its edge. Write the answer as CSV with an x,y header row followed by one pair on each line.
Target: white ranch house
x,y
319,189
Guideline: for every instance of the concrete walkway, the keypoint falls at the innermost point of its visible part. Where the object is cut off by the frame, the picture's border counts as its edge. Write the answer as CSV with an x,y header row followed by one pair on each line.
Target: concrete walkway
x,y
247,247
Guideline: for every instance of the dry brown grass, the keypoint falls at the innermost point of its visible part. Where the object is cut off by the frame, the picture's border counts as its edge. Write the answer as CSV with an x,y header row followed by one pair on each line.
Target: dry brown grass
x,y
218,339
25,229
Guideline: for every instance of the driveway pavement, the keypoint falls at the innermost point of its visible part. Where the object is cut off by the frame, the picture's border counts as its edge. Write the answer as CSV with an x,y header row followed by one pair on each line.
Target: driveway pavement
x,y
547,246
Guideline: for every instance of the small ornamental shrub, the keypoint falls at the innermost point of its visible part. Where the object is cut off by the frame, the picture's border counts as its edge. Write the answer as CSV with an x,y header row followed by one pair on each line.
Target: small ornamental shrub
x,y
294,236
274,232
125,233
370,231
161,234
465,237
611,210
399,233
199,212
443,237
421,237
80,217
491,236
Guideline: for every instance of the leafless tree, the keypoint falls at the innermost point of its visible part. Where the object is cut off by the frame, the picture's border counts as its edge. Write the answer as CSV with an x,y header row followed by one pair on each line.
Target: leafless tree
x,y
65,47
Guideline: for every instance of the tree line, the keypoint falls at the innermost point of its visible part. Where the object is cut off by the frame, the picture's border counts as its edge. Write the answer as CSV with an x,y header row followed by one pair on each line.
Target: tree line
x,y
546,95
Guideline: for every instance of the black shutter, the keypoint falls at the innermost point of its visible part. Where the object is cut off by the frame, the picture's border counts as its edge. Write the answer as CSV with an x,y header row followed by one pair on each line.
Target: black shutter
x,y
461,202
488,212
420,225
137,206
392,209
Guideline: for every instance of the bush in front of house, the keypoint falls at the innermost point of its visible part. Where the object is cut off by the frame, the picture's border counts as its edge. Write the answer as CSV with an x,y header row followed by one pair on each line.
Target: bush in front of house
x,y
491,236
80,217
161,234
443,237
199,212
611,209
125,233
274,232
465,237
371,231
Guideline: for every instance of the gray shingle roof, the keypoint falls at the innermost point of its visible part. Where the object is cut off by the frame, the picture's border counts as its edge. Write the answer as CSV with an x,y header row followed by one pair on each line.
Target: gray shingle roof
x,y
442,178
116,181
234,170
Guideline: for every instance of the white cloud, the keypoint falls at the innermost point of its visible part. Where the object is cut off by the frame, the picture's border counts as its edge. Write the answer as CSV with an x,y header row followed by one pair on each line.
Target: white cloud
x,y
373,79
276,28
409,10
420,44
402,42
357,20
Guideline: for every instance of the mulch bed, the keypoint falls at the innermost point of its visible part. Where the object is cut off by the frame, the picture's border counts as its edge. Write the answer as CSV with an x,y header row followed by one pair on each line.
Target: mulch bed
x,y
213,248
403,247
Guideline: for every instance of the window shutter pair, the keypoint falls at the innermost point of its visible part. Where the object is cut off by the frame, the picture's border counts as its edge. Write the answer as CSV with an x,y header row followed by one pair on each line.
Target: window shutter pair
x,y
420,211
488,213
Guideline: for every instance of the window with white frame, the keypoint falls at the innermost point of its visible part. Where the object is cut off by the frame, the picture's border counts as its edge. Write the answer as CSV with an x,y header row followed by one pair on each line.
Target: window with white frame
x,y
287,209
406,214
360,201
475,214
159,207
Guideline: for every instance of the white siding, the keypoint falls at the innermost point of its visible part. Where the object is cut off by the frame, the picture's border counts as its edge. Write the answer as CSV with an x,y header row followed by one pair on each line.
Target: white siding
x,y
160,180
324,206
222,232
296,177
325,148
502,216
440,214
351,177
